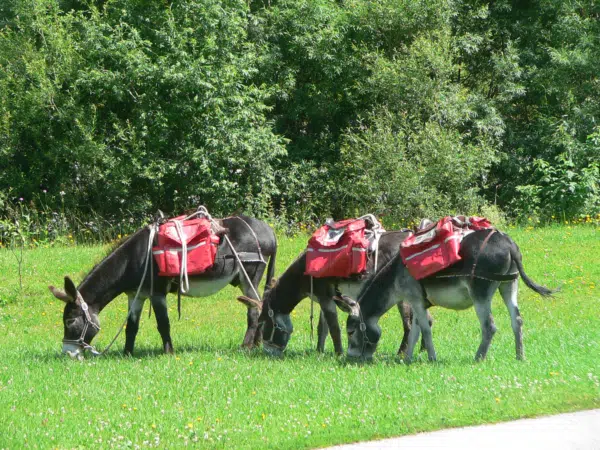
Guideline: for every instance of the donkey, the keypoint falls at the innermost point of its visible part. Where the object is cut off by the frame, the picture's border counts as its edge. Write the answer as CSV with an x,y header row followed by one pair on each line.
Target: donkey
x,y
122,271
490,260
284,294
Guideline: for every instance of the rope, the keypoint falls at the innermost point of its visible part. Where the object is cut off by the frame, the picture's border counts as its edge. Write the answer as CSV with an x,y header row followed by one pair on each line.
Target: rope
x,y
242,267
84,307
184,281
153,228
312,309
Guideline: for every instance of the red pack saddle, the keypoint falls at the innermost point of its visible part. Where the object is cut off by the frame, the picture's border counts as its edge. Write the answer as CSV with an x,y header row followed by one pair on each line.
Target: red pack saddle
x,y
437,247
338,249
200,242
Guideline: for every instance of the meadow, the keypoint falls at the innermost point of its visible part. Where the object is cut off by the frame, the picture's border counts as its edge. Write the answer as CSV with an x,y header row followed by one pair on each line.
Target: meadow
x,y
213,394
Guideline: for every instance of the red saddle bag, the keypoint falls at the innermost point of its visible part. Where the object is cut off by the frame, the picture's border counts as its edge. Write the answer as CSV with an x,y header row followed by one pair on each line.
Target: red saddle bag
x,y
200,241
427,253
338,250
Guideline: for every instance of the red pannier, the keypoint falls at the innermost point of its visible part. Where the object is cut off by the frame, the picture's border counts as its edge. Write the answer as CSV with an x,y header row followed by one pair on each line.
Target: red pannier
x,y
427,253
338,250
200,241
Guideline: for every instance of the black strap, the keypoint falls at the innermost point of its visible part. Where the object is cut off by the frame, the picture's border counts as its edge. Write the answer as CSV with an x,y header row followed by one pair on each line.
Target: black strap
x,y
482,275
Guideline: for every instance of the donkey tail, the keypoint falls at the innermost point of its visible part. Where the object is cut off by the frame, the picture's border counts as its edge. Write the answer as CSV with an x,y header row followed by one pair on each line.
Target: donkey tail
x,y
515,253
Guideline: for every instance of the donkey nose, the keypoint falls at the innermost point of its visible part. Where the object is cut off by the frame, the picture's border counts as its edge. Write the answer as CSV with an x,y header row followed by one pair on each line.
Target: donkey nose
x,y
272,351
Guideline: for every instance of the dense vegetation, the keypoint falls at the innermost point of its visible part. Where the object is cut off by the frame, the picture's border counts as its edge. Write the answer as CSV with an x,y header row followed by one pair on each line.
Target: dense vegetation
x,y
298,109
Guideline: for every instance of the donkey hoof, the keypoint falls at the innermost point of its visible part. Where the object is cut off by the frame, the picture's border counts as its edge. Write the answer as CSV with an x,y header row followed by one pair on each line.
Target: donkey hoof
x,y
169,349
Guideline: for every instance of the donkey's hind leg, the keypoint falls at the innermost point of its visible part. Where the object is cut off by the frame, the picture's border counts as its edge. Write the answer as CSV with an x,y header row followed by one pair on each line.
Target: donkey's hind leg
x,y
322,332
133,322
509,293
159,303
253,335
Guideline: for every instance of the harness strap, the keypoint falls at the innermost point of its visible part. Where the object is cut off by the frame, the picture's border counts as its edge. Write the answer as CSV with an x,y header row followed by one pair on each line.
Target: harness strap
x,y
483,245
255,238
482,275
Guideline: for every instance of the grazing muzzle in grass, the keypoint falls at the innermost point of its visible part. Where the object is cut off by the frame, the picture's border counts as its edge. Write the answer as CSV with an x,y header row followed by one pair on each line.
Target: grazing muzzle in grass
x,y
277,331
81,323
362,338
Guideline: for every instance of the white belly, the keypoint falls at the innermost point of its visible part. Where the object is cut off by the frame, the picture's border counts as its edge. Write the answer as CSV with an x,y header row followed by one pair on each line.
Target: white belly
x,y
204,288
456,296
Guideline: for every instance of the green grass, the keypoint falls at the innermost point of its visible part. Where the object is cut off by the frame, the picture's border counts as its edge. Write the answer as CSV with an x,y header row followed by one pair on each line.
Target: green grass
x,y
212,394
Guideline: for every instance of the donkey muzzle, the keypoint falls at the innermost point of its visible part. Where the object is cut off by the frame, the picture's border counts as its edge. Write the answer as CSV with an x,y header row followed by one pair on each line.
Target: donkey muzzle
x,y
74,351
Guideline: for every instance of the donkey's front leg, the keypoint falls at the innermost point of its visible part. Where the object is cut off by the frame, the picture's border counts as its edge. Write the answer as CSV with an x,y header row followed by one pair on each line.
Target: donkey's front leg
x,y
423,319
330,312
159,303
133,322
322,332
420,323
413,337
406,316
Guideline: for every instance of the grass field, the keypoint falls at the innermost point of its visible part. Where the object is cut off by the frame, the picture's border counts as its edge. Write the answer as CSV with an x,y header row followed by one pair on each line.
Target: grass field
x,y
214,395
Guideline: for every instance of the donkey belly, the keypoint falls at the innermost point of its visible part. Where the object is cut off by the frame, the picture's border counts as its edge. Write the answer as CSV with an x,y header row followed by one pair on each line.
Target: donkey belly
x,y
203,287
452,295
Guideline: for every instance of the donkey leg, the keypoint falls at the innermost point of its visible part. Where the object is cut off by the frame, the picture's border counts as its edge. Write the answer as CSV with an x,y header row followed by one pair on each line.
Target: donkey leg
x,y
422,319
509,295
251,328
413,337
330,312
253,334
430,322
322,332
159,303
488,328
406,316
133,322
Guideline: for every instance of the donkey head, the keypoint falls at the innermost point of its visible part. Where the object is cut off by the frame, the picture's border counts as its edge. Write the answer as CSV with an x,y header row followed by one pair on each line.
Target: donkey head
x,y
362,336
276,326
80,321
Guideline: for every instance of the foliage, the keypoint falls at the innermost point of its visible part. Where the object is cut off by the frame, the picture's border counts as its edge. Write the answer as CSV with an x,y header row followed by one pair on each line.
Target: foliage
x,y
298,109
133,106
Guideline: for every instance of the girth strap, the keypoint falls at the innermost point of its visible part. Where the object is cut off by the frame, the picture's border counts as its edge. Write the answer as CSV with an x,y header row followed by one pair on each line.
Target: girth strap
x,y
481,275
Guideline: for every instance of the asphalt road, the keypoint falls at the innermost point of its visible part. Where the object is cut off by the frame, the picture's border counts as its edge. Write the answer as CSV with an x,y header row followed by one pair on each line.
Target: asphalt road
x,y
572,431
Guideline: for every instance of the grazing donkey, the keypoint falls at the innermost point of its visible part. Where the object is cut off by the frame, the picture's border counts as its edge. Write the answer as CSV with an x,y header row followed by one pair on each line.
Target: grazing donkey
x,y
284,294
122,271
490,260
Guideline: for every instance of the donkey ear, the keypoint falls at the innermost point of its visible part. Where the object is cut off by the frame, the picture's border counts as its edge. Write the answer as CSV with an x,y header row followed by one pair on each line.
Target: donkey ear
x,y
347,305
250,302
70,289
61,295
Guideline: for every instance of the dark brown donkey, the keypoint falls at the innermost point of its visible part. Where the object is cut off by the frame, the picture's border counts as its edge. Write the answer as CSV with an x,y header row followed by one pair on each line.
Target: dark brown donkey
x,y
122,271
284,294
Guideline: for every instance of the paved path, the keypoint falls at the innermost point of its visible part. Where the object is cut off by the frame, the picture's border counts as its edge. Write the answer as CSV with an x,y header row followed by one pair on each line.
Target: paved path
x,y
573,431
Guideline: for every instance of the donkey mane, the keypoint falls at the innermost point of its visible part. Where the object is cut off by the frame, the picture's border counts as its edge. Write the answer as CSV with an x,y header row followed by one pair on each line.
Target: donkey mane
x,y
113,250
